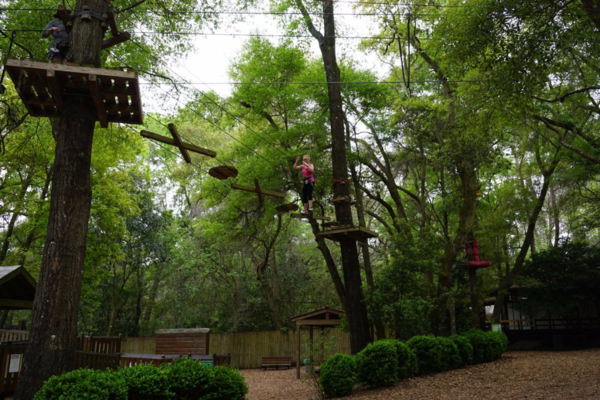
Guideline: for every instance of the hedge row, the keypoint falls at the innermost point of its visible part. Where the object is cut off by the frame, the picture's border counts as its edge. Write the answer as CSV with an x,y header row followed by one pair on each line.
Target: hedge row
x,y
184,379
387,361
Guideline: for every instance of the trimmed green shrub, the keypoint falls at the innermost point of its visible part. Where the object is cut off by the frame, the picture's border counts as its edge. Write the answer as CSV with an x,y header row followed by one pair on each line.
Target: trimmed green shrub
x,y
465,350
226,383
147,382
84,384
407,360
338,375
428,352
487,346
377,364
188,379
450,355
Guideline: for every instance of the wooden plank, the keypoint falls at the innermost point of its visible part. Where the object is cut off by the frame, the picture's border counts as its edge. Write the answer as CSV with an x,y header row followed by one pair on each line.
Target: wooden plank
x,y
64,17
16,304
308,216
257,187
179,143
111,22
71,69
115,40
320,322
54,88
253,190
95,92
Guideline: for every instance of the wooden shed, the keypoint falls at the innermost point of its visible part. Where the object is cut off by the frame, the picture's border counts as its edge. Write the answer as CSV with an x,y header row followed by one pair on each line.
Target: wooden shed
x,y
17,288
182,341
323,318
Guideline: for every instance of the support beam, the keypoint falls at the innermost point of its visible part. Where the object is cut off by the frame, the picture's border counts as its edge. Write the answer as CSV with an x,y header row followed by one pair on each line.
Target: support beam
x,y
114,40
253,190
185,146
179,143
95,92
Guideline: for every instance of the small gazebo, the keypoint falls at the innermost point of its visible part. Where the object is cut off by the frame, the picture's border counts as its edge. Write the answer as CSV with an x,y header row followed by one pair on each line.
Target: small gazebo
x,y
17,288
322,318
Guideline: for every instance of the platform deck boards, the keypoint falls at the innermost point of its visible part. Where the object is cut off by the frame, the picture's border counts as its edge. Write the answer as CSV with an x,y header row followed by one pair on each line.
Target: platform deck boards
x,y
44,86
357,233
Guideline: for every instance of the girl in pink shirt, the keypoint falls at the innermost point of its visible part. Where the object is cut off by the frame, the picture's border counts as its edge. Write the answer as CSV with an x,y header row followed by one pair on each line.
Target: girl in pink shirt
x,y
308,182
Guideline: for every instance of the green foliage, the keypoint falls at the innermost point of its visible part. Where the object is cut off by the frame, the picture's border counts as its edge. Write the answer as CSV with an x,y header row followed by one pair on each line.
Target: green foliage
x,y
487,346
188,379
429,353
407,360
338,375
225,384
465,350
450,355
84,384
377,364
561,279
147,382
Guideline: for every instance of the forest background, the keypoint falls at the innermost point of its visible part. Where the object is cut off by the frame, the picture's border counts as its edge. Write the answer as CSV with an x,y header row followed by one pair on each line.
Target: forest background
x,y
486,121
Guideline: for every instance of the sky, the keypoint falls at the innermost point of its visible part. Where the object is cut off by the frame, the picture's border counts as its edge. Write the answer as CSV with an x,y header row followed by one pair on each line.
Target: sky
x,y
210,62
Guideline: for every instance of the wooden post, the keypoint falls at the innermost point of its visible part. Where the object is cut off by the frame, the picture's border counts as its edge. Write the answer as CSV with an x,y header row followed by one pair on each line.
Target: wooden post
x,y
323,343
474,302
298,353
312,350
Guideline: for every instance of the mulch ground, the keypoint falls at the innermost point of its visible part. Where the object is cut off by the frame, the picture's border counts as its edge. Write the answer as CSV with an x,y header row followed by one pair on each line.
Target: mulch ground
x,y
517,375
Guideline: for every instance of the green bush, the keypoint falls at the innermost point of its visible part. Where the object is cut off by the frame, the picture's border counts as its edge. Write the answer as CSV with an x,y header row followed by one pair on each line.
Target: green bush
x,y
147,382
465,350
429,354
84,384
377,364
487,346
407,360
338,375
188,379
226,384
450,354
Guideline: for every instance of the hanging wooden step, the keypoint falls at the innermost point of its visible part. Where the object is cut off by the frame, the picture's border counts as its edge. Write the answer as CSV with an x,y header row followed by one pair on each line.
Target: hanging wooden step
x,y
258,190
223,172
284,208
309,216
357,233
43,86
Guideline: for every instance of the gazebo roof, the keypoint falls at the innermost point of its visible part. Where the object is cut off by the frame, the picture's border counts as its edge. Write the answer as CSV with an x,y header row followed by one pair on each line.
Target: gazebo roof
x,y
323,317
17,288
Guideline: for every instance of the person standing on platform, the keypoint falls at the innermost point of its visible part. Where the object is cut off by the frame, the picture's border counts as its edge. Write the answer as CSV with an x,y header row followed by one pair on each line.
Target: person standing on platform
x,y
59,48
308,183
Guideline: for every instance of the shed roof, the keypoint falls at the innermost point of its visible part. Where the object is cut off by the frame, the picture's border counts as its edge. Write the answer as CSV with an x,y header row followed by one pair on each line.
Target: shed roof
x,y
323,317
17,288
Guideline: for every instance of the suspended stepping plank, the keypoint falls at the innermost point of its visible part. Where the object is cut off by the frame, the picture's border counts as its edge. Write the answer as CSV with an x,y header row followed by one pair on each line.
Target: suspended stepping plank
x,y
283,208
308,216
177,142
42,87
259,192
223,172
339,199
357,233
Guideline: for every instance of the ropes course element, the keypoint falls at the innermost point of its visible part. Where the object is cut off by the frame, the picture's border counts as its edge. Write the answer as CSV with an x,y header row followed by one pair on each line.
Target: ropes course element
x,y
177,142
223,172
259,192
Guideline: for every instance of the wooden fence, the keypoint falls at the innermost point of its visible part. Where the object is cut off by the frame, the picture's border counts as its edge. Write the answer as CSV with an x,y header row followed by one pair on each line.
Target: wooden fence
x,y
247,348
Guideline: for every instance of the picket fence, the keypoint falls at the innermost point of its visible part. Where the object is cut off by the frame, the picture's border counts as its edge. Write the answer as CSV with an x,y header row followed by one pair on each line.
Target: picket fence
x,y
247,348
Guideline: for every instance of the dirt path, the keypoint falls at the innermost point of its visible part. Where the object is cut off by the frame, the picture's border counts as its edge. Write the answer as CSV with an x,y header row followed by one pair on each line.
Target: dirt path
x,y
517,375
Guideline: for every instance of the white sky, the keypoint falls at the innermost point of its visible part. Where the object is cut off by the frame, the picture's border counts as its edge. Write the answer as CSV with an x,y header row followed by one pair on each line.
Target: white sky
x,y
214,54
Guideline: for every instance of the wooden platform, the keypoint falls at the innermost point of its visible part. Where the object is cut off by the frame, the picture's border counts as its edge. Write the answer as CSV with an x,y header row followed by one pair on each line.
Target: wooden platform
x,y
356,233
223,172
44,86
284,208
309,216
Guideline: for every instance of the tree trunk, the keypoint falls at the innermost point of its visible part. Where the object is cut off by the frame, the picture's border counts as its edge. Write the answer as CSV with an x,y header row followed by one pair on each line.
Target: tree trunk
x,y
356,310
53,333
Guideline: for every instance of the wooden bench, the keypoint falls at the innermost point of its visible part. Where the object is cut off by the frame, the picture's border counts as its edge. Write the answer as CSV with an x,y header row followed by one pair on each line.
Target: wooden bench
x,y
276,362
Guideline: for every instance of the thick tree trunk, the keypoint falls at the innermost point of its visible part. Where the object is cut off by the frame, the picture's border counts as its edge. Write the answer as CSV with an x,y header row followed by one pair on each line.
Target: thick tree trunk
x,y
53,333
356,310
